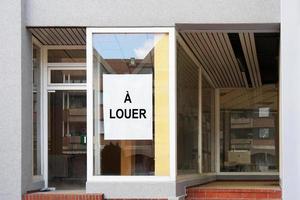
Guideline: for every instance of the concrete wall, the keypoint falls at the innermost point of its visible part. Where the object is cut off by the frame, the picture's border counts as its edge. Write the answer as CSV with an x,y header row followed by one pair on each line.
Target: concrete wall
x,y
15,63
10,101
15,102
149,12
136,189
290,98
26,104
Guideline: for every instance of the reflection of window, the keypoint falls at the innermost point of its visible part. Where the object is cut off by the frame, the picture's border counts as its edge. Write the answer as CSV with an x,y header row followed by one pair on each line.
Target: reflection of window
x,y
264,133
141,53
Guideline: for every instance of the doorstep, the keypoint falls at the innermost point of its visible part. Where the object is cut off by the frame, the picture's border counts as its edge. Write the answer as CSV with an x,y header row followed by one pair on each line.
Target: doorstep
x,y
71,195
235,190
63,195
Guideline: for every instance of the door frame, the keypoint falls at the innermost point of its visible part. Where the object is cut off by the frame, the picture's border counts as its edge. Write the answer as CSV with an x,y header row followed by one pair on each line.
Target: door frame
x,y
46,87
38,180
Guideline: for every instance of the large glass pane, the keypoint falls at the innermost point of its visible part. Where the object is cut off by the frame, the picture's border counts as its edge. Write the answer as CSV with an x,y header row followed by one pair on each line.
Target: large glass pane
x,y
67,139
208,125
36,111
132,54
187,114
249,129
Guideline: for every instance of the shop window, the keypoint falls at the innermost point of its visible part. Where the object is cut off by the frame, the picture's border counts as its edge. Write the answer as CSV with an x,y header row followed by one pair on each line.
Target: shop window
x,y
208,126
187,114
130,57
249,140
194,157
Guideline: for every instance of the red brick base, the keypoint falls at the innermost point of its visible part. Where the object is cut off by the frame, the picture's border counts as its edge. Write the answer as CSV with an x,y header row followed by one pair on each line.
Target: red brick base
x,y
194,193
198,193
62,196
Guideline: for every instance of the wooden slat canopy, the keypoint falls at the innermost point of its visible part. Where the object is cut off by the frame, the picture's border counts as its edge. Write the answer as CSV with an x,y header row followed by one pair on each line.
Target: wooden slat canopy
x,y
217,58
212,51
60,35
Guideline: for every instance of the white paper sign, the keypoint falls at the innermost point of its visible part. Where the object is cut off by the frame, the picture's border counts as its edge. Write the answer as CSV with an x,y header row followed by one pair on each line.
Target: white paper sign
x,y
127,106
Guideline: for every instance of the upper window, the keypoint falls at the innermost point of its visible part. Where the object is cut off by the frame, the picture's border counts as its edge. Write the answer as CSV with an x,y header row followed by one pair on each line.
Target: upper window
x,y
66,66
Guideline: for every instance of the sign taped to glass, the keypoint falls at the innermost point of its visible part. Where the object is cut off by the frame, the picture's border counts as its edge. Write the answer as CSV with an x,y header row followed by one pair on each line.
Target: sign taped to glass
x,y
127,106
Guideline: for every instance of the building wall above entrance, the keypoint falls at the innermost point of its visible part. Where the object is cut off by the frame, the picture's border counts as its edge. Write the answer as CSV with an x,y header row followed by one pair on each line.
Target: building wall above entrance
x,y
149,13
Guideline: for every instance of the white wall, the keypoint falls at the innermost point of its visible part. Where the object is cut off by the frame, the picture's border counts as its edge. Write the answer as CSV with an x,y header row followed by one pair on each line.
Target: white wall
x,y
26,104
149,12
290,99
10,99
15,101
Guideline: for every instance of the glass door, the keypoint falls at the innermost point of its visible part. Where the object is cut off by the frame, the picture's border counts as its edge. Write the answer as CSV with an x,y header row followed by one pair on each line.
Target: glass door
x,y
67,139
65,102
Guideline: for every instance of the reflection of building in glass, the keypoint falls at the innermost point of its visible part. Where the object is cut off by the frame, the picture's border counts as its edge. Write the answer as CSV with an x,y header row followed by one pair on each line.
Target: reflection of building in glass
x,y
126,54
249,129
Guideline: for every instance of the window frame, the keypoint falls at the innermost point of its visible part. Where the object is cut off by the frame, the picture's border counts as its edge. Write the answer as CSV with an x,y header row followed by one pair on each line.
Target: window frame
x,y
172,104
46,88
36,178
65,66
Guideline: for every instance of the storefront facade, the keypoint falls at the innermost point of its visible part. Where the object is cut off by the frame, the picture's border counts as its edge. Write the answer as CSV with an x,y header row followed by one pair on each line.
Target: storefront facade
x,y
104,98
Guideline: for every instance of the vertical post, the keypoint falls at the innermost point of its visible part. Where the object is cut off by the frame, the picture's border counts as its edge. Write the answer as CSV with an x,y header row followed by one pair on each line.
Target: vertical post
x,y
173,102
217,130
44,113
90,103
161,102
212,132
200,121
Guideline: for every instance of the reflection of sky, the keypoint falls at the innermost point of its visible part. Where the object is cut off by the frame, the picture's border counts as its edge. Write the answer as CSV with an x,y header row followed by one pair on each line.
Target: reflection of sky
x,y
123,46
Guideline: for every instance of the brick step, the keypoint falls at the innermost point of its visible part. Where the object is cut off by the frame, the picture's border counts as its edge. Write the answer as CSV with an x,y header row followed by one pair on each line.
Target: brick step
x,y
70,196
198,193
62,196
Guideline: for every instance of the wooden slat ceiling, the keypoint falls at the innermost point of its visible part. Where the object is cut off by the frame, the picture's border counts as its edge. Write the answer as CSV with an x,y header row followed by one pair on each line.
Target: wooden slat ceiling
x,y
249,50
251,98
60,35
213,50
215,53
